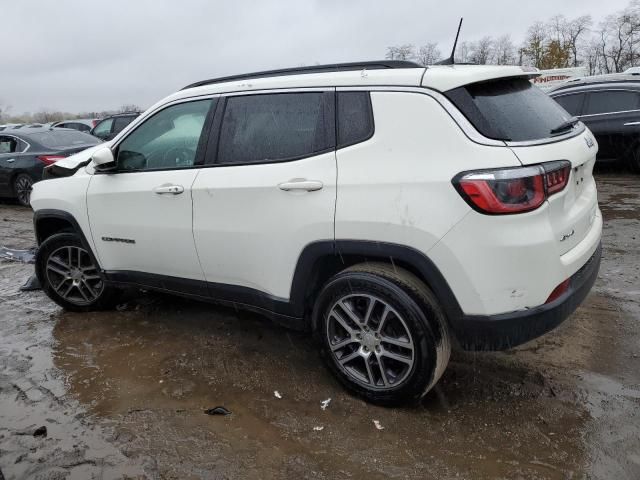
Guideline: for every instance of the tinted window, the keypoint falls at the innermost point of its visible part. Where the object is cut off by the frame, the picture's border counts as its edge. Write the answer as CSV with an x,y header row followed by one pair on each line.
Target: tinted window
x,y
120,122
510,109
60,139
276,127
169,139
571,103
355,118
611,101
8,145
103,128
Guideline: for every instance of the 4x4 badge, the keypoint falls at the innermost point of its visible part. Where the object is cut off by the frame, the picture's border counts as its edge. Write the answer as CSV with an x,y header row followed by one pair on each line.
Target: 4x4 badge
x,y
589,141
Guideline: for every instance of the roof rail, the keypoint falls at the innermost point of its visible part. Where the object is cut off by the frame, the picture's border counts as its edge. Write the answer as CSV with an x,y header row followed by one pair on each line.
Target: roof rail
x,y
335,67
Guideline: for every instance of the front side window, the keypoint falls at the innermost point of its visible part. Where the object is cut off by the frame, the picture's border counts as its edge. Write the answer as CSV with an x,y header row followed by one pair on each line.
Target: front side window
x,y
103,128
169,139
276,127
612,101
571,103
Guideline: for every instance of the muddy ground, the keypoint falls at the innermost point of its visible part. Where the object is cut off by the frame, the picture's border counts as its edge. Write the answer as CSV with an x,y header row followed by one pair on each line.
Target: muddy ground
x,y
122,393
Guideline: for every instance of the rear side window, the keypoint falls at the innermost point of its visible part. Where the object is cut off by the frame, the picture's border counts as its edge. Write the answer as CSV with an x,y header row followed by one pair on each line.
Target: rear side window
x,y
59,139
611,101
571,103
509,110
276,127
355,118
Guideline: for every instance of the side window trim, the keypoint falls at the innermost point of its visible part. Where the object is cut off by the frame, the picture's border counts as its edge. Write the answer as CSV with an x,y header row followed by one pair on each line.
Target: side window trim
x,y
200,150
212,157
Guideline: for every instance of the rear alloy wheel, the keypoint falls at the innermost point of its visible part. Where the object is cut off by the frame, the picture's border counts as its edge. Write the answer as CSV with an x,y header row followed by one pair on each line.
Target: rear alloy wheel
x,y
22,186
70,277
382,333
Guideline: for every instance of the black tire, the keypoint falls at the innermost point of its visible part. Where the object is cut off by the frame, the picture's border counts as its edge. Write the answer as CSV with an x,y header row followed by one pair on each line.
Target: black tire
x,y
88,290
402,293
22,185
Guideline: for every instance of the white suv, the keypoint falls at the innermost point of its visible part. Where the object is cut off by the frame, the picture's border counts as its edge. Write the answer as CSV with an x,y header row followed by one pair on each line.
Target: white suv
x,y
388,208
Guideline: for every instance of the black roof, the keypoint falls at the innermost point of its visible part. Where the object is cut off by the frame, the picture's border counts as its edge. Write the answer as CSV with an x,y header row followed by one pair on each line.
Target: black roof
x,y
334,67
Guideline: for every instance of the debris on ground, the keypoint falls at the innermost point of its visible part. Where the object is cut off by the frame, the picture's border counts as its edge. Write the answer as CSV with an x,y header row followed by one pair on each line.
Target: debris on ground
x,y
276,394
217,411
40,432
32,284
377,424
325,403
24,256
318,429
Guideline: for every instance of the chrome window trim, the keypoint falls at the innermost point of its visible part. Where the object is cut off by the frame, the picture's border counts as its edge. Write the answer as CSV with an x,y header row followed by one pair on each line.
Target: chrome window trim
x,y
18,139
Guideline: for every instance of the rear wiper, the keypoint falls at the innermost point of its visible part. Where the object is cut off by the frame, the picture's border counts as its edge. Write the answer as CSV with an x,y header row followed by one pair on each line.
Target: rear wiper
x,y
566,125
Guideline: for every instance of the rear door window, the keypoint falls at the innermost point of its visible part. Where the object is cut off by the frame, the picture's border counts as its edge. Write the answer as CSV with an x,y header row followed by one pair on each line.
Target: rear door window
x,y
355,118
611,101
276,127
509,109
571,103
120,122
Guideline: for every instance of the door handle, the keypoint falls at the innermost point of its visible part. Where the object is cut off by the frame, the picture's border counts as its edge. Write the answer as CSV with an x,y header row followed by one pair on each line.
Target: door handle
x,y
11,160
632,124
306,185
169,189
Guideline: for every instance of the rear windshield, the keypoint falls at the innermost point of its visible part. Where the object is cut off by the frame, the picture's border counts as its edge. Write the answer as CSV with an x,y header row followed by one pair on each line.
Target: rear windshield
x,y
63,139
509,110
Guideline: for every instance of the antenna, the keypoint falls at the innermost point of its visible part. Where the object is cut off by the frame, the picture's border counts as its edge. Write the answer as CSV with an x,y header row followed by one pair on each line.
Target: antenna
x,y
451,59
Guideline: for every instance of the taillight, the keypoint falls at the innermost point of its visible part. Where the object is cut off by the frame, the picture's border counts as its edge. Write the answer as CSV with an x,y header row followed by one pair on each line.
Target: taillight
x,y
50,159
512,190
556,175
94,123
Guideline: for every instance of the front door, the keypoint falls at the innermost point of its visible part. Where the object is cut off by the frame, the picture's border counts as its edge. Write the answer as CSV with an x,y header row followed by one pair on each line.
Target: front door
x,y
141,213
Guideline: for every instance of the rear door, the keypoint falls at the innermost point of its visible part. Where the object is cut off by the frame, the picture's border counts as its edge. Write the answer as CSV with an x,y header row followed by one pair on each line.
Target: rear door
x,y
269,192
614,118
141,213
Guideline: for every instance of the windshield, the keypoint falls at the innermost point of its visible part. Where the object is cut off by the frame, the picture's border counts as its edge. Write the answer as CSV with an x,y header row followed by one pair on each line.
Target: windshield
x,y
60,139
509,110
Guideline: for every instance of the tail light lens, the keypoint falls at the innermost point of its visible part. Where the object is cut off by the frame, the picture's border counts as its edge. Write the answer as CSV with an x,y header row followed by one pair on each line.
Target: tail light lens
x,y
512,190
559,291
50,159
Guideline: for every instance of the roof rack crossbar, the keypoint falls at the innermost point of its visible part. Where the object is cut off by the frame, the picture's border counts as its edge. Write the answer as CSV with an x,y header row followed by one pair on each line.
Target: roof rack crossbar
x,y
335,67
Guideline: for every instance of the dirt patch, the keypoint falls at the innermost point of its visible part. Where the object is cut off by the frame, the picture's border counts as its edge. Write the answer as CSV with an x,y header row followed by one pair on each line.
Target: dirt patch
x,y
123,393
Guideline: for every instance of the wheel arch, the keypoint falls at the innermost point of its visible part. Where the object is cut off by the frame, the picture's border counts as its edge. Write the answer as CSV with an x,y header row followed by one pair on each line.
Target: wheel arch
x,y
50,222
319,261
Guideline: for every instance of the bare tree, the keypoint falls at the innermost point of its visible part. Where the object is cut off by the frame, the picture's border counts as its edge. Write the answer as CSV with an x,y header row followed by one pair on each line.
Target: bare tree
x,y
505,51
46,116
482,51
535,44
463,53
576,30
401,52
428,54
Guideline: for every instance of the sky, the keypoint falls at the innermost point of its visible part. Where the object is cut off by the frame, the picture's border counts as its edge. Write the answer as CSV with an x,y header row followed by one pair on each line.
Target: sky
x,y
79,55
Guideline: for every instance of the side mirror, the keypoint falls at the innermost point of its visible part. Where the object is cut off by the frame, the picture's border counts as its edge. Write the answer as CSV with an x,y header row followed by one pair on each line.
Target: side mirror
x,y
103,159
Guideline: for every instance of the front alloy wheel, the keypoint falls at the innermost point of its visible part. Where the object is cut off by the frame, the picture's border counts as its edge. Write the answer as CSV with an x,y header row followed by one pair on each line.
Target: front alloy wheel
x,y
70,277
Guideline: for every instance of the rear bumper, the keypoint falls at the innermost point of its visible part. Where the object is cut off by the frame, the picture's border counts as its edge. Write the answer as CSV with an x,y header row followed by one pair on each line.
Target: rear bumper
x,y
504,331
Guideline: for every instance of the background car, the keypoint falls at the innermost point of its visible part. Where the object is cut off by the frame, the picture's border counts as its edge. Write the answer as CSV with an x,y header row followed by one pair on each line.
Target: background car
x,y
80,124
109,127
610,106
25,152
